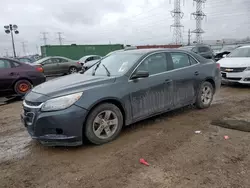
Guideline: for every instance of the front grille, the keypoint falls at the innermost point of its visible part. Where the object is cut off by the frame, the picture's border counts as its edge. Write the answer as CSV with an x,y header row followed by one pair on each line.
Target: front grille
x,y
229,69
32,103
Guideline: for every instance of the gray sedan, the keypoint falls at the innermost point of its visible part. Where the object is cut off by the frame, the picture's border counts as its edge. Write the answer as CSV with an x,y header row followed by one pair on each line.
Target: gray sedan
x,y
57,65
121,89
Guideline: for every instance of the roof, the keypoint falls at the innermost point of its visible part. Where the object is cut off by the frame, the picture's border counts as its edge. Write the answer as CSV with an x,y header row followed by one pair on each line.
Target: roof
x,y
149,50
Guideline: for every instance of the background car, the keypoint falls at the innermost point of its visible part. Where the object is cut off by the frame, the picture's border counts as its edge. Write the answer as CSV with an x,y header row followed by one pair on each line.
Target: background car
x,y
28,59
224,51
18,78
201,49
88,58
57,65
235,68
126,87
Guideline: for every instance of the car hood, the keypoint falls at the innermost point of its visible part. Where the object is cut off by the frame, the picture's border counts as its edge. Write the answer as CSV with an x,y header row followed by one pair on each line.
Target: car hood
x,y
71,84
234,62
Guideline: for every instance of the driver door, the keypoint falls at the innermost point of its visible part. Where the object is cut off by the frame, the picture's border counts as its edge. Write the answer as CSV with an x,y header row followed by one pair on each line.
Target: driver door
x,y
153,94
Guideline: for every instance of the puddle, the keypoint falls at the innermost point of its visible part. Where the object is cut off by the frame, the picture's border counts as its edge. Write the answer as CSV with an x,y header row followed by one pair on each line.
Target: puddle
x,y
14,146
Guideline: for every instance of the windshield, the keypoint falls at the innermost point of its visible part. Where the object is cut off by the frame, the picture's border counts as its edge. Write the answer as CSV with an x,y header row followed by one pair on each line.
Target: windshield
x,y
117,64
240,52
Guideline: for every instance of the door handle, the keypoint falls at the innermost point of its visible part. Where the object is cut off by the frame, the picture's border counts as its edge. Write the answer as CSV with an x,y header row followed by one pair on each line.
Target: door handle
x,y
196,73
12,74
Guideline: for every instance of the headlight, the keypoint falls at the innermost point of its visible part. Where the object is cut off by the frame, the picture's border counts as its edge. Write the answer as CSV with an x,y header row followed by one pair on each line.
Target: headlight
x,y
61,103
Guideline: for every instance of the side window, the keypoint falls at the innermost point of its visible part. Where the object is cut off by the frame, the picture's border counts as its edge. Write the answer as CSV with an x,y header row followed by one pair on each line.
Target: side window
x,y
62,60
180,60
90,59
203,49
15,64
4,64
154,64
192,61
97,57
55,60
195,50
48,61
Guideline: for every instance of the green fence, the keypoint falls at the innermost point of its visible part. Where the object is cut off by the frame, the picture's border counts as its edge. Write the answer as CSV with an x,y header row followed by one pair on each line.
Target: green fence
x,y
77,51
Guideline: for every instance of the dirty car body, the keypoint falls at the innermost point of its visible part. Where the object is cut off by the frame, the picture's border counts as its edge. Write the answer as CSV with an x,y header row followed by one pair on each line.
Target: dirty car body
x,y
138,84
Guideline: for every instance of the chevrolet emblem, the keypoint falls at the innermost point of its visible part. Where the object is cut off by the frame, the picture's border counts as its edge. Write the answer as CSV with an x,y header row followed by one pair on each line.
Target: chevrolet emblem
x,y
229,70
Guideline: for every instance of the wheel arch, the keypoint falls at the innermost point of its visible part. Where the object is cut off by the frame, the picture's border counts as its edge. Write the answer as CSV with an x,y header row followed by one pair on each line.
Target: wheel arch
x,y
211,81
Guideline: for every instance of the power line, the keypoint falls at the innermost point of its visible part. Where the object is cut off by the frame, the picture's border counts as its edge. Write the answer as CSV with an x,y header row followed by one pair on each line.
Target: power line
x,y
60,37
177,14
199,16
44,37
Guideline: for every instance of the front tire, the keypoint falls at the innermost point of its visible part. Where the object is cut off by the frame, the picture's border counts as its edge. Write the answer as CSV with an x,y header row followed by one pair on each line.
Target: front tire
x,y
205,95
103,124
21,87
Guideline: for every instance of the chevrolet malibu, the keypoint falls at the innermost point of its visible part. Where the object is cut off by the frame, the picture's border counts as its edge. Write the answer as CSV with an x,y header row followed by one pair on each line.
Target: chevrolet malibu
x,y
235,67
121,89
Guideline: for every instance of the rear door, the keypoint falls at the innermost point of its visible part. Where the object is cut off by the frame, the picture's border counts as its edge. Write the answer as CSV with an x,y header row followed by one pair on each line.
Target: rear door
x,y
63,65
185,76
50,66
7,75
152,94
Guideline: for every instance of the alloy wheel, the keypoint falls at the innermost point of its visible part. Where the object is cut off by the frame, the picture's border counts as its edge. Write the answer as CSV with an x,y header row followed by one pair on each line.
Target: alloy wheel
x,y
105,124
206,95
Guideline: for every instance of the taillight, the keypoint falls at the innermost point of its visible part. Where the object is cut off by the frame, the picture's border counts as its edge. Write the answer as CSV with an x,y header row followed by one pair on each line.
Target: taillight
x,y
39,69
79,63
218,65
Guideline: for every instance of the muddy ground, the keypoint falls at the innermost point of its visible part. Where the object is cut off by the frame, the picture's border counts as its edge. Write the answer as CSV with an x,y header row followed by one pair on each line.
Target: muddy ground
x,y
177,156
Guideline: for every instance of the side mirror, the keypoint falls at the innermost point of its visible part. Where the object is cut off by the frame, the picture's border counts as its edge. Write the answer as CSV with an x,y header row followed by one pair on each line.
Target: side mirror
x,y
140,74
225,55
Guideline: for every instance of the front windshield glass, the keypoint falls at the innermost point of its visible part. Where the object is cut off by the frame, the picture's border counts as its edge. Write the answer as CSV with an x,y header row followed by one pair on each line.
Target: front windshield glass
x,y
240,52
117,64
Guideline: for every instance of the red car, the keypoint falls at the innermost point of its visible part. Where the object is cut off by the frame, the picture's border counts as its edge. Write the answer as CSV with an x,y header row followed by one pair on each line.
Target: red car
x,y
18,78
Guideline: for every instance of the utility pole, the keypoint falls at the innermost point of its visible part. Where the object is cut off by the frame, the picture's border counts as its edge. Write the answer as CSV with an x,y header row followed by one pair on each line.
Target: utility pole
x,y
199,15
24,48
60,37
9,30
44,37
189,37
177,14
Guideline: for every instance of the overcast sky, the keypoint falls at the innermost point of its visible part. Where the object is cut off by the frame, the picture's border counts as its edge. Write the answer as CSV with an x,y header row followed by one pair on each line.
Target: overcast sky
x,y
116,21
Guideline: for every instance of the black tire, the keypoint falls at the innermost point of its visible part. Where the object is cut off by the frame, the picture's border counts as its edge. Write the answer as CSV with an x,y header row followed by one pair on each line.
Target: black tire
x,y
21,87
70,71
88,131
199,102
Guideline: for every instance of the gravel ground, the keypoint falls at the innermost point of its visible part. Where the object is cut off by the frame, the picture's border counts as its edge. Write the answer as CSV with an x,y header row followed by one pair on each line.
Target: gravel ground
x,y
177,156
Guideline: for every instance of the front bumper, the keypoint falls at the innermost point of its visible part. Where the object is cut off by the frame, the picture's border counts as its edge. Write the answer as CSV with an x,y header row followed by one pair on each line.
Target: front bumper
x,y
236,77
57,128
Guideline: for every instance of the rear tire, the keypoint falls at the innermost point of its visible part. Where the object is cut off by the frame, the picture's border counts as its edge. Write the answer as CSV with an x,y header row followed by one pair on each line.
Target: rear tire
x,y
72,70
100,129
21,87
205,95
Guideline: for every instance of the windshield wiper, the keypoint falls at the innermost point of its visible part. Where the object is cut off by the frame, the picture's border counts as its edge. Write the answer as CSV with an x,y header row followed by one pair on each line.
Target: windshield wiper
x,y
108,73
96,67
